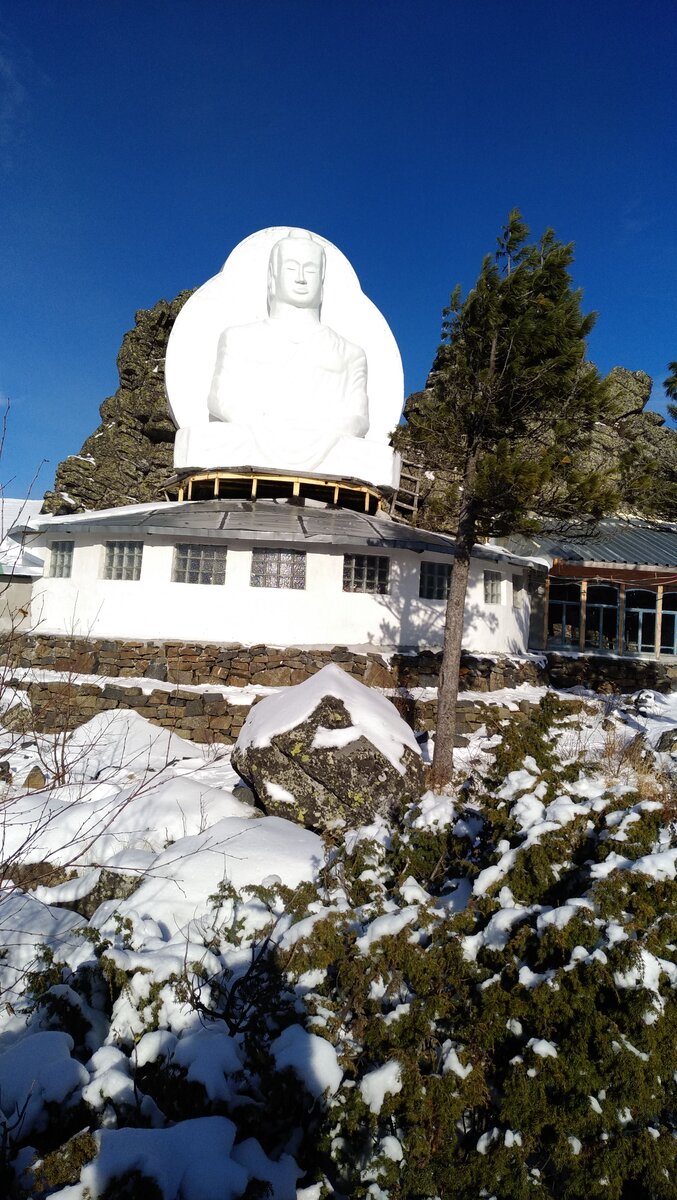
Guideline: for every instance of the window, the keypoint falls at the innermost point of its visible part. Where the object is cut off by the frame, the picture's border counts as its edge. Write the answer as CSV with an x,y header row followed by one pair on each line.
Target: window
x,y
433,583
492,587
365,573
61,560
518,591
601,617
640,621
564,614
669,624
123,560
278,569
199,564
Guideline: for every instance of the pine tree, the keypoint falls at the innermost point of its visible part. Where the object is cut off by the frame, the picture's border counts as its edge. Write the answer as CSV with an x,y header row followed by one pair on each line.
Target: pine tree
x,y
506,420
670,385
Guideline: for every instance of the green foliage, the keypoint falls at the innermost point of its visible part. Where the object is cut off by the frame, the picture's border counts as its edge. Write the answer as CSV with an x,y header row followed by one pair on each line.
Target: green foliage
x,y
538,1053
511,395
521,985
63,1165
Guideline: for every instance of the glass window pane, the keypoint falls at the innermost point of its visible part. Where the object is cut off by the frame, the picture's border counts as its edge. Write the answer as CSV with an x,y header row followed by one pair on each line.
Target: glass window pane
x,y
278,569
565,591
366,573
492,587
640,598
61,560
434,581
123,560
195,563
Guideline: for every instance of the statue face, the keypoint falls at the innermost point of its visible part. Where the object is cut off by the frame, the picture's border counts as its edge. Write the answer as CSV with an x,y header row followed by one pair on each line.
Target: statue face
x,y
297,273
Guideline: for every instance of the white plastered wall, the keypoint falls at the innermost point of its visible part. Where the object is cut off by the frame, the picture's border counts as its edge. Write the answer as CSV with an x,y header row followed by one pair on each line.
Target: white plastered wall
x,y
154,608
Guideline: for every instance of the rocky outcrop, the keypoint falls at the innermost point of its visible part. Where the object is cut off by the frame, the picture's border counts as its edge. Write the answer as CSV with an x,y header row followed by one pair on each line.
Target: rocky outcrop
x,y
128,459
329,752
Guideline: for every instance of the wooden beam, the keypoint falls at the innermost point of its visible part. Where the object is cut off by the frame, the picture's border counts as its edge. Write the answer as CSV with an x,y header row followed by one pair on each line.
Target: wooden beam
x,y
621,618
659,619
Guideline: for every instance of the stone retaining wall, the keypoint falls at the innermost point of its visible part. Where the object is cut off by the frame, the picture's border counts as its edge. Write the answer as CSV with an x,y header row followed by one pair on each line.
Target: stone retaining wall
x,y
213,717
59,706
238,666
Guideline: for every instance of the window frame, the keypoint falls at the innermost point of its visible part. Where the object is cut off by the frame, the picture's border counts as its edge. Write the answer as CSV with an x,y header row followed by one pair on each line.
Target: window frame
x,y
206,561
379,564
116,567
58,556
438,580
271,574
491,580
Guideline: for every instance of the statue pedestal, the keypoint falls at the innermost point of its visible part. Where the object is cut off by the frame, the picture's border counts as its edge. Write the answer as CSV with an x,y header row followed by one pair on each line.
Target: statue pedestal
x,y
287,451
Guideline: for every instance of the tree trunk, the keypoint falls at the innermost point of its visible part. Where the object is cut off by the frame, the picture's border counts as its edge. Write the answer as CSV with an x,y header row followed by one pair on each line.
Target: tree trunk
x,y
447,691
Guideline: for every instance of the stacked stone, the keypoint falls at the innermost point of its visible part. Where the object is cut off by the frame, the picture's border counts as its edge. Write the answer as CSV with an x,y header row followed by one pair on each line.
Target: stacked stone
x,y
58,707
208,716
611,674
240,666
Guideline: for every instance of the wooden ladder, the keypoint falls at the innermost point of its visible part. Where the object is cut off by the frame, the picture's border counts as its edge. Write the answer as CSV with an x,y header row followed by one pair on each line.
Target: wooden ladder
x,y
405,500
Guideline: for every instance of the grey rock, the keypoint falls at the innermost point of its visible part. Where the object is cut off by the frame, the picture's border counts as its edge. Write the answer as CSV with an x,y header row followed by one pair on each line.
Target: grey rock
x,y
350,784
667,742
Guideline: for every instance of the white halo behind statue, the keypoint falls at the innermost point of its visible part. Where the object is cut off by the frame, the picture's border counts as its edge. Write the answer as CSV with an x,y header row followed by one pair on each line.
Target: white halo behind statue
x,y
238,296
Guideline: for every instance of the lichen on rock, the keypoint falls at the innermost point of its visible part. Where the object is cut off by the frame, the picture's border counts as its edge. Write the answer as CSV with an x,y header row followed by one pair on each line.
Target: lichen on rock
x,y
324,769
129,457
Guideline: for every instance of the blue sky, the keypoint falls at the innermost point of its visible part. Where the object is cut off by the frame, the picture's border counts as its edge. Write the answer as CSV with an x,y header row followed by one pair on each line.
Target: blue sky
x,y
140,141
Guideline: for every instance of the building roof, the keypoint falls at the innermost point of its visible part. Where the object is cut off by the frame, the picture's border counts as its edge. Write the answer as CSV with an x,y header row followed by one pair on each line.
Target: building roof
x,y
311,523
15,560
626,541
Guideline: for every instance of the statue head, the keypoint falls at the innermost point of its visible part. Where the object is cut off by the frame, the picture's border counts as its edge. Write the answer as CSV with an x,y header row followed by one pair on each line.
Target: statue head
x,y
296,271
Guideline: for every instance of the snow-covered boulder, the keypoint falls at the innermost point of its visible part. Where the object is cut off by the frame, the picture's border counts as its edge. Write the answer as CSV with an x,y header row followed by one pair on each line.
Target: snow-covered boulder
x,y
329,750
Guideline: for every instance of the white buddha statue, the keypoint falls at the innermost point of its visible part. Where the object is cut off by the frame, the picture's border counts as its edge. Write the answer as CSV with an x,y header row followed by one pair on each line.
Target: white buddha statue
x,y
293,383
257,379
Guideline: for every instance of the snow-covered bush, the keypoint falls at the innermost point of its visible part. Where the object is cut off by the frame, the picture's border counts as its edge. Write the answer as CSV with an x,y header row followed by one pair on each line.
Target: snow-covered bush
x,y
478,1002
506,1024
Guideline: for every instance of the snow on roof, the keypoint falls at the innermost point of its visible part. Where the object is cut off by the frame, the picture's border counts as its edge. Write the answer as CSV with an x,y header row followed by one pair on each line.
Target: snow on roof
x,y
14,558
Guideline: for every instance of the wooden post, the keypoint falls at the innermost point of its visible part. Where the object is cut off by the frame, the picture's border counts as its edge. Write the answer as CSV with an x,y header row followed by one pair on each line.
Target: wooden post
x,y
584,614
621,618
659,619
546,606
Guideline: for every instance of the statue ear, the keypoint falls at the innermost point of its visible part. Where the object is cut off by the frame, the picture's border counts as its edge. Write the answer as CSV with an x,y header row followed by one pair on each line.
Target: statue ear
x,y
271,279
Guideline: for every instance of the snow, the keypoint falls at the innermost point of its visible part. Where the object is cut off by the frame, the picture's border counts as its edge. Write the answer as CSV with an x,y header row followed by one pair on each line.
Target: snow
x,y
277,792
452,1062
209,1055
312,1059
36,1071
26,923
387,925
192,1159
144,804
372,715
379,1083
542,1047
99,748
